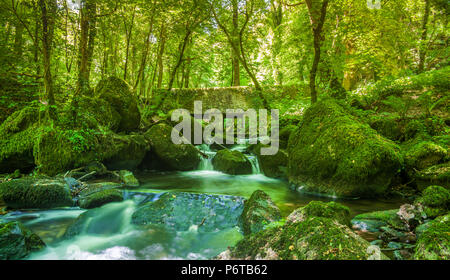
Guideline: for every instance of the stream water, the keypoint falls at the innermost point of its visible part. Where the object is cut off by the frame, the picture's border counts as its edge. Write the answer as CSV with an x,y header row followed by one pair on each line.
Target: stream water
x,y
108,232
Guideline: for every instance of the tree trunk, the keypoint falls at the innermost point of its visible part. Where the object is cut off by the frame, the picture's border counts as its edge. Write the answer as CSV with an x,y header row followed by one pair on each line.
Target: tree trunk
x,y
48,13
422,47
317,18
162,42
236,78
128,33
180,58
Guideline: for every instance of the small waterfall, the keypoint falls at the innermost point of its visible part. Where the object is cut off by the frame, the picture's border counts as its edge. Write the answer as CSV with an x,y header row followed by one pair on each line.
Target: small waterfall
x,y
255,164
206,162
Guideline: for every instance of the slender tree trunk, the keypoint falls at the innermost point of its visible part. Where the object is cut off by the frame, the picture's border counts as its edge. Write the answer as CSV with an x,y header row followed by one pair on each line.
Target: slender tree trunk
x,y
48,13
317,17
140,77
128,33
18,41
423,47
180,58
236,78
162,41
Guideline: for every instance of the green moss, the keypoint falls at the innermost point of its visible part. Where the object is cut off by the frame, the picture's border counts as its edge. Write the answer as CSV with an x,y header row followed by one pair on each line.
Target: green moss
x,y
435,201
332,152
437,174
387,125
16,241
425,154
331,210
177,157
434,242
259,211
17,136
316,238
31,193
232,162
100,198
117,93
376,220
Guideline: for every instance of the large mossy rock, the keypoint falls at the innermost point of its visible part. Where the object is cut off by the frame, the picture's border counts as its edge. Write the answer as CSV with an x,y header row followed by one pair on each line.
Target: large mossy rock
x,y
181,211
332,152
232,162
434,175
127,152
434,241
259,211
32,193
17,242
331,210
274,166
118,94
93,113
316,238
17,135
100,198
177,157
435,201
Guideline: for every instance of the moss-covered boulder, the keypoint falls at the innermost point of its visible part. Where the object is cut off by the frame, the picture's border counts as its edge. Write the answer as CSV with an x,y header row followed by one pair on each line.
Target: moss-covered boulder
x,y
375,221
232,162
274,166
17,135
181,211
259,211
332,152
434,242
170,155
128,179
118,94
17,242
316,238
32,193
100,198
126,152
388,125
424,155
285,133
434,175
435,201
331,210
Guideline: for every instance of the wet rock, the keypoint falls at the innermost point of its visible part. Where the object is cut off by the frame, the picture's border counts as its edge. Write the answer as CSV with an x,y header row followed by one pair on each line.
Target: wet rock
x,y
100,198
389,234
374,221
181,211
128,178
259,211
331,210
402,255
168,155
394,245
128,151
232,162
274,166
17,242
36,193
332,152
434,242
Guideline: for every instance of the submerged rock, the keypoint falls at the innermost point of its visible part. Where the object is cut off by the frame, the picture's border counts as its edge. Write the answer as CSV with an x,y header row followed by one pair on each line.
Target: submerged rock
x,y
331,210
118,94
181,211
259,211
332,152
434,242
177,157
100,198
17,242
36,193
232,162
